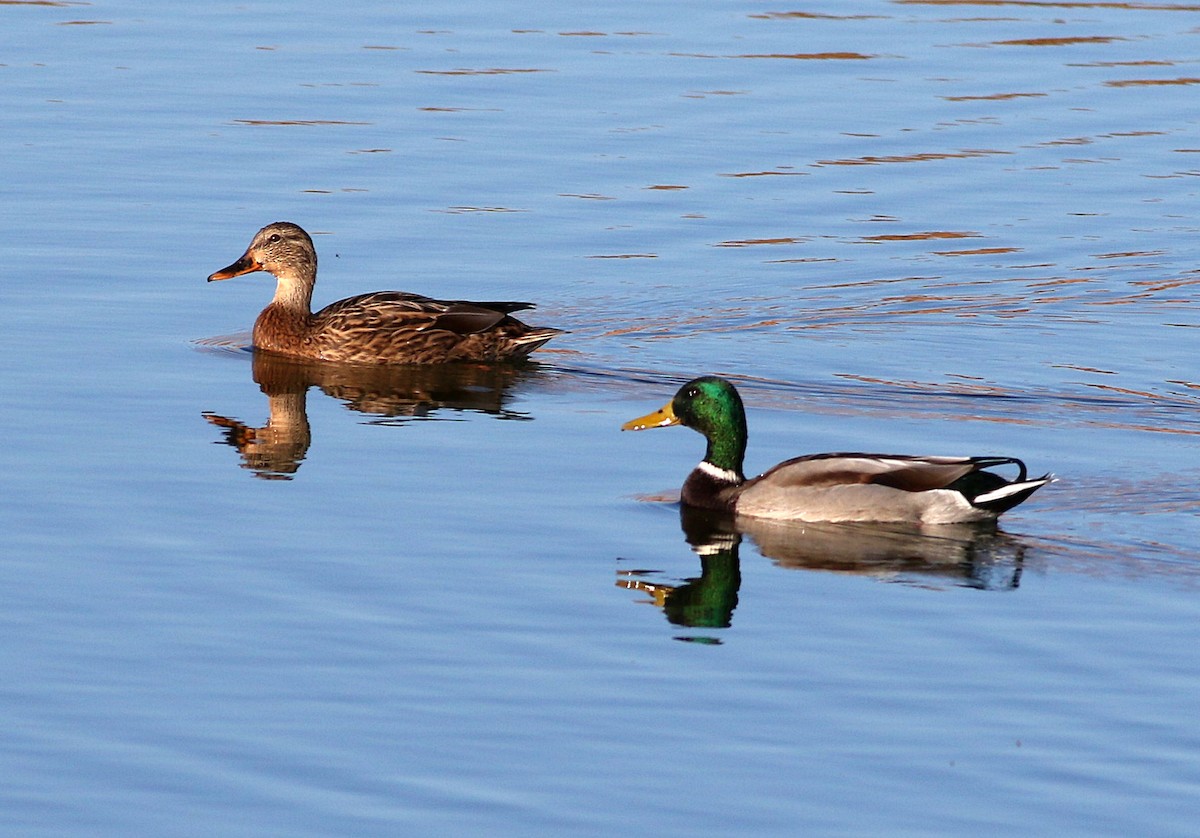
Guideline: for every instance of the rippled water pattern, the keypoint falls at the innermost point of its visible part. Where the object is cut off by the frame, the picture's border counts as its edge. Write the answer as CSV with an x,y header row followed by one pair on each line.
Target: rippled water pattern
x,y
244,596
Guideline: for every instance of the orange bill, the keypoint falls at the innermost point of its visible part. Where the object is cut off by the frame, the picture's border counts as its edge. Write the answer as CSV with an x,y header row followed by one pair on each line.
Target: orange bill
x,y
661,418
246,265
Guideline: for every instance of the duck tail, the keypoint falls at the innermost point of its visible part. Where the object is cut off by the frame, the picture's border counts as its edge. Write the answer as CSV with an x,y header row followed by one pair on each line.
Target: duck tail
x,y
1008,495
535,337
505,306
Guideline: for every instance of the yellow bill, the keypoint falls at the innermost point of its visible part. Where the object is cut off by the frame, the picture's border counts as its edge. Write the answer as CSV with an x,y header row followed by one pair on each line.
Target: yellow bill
x,y
661,418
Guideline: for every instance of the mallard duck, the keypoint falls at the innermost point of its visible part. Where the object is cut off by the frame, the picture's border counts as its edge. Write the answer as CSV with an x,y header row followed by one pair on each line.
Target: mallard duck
x,y
831,487
386,327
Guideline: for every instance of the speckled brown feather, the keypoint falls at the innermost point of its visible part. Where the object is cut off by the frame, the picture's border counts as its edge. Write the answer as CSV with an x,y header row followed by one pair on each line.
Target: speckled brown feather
x,y
384,327
391,327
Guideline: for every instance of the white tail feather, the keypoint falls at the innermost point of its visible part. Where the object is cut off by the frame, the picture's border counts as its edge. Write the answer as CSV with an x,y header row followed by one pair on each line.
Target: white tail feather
x,y
1010,489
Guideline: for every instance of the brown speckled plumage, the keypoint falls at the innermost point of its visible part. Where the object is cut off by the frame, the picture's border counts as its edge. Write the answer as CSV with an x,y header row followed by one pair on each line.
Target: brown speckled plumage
x,y
385,327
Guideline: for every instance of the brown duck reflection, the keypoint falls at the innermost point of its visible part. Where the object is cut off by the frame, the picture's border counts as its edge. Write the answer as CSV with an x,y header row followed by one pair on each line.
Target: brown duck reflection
x,y
966,555
275,450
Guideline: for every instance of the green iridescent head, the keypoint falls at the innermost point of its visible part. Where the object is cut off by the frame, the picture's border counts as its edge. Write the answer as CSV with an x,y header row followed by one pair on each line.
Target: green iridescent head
x,y
711,406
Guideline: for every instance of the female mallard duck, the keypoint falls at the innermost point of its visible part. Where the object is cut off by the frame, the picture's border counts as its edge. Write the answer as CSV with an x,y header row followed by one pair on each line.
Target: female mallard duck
x,y
386,327
831,487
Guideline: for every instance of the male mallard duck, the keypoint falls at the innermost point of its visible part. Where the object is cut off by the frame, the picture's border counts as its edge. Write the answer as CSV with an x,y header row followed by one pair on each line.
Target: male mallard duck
x,y
386,327
830,487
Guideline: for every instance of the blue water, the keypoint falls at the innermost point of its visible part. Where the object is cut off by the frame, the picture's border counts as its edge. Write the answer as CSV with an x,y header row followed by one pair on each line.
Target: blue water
x,y
463,603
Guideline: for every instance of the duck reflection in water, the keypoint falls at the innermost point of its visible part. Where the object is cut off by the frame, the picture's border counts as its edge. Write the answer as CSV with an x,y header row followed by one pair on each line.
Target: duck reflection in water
x,y
275,450
707,600
966,555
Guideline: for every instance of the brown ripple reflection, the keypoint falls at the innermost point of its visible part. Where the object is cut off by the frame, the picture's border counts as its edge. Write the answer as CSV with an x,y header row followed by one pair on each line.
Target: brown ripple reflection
x,y
811,16
1151,82
700,94
490,71
1058,42
796,56
978,251
1130,253
462,210
305,122
931,234
920,157
624,256
592,34
769,173
995,97
812,56
1059,4
1142,63
755,242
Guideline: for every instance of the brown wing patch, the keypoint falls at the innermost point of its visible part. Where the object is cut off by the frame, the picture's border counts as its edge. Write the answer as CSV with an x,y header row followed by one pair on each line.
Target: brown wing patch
x,y
911,474
922,478
466,319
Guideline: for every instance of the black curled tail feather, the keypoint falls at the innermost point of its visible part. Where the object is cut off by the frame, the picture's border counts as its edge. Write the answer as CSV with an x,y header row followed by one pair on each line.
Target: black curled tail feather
x,y
994,493
990,462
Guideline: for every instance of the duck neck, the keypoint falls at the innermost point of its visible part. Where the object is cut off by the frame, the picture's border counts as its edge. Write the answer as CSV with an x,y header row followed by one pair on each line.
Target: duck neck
x,y
294,293
295,278
726,451
711,487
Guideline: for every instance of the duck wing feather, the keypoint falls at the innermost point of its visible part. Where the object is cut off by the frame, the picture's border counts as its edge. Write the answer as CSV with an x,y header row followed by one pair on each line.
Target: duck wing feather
x,y
909,473
402,310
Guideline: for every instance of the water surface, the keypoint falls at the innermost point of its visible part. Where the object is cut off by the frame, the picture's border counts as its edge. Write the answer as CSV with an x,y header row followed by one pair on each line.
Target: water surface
x,y
246,598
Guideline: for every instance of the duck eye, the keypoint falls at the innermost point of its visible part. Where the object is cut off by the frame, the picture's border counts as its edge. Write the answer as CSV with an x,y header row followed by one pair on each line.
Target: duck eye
x,y
273,239
693,392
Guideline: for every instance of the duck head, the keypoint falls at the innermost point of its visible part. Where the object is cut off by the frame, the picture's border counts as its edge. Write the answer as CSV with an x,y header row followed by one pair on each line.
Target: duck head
x,y
282,249
710,406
